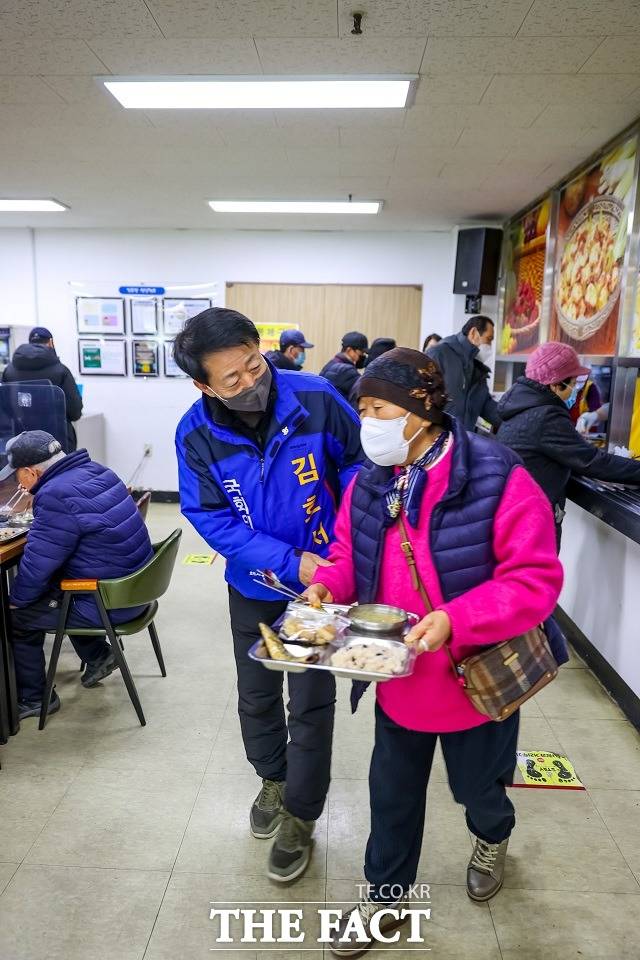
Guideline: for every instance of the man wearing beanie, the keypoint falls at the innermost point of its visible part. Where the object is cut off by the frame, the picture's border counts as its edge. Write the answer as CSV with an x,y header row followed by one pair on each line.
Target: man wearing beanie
x,y
536,424
38,360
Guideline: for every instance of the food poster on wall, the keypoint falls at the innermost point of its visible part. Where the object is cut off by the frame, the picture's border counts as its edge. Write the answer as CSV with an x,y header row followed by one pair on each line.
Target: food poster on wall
x,y
270,334
592,241
145,358
634,346
524,259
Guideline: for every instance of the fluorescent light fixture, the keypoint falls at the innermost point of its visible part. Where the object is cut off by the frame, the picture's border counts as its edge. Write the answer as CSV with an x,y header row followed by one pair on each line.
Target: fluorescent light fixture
x,y
31,206
296,206
260,93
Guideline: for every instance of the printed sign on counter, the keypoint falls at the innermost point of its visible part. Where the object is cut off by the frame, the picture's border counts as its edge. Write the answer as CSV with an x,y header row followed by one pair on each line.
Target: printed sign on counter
x,y
104,358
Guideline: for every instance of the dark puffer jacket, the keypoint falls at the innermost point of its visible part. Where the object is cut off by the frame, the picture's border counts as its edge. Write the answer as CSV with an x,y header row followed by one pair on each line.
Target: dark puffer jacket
x,y
281,360
465,380
86,526
34,361
343,374
537,425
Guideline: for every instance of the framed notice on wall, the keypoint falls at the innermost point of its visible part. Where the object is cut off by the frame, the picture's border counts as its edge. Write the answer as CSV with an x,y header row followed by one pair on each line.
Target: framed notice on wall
x,y
171,368
592,243
102,358
143,312
175,313
100,315
145,358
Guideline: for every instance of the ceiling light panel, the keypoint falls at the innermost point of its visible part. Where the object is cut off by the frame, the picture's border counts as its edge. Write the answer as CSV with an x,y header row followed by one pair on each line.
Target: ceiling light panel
x,y
31,206
296,206
253,93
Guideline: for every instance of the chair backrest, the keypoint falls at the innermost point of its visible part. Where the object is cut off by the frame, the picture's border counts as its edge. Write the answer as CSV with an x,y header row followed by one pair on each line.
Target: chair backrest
x,y
146,584
143,504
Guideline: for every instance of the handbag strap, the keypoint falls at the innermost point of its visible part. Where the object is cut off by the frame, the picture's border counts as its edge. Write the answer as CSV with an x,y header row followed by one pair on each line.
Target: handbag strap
x,y
418,583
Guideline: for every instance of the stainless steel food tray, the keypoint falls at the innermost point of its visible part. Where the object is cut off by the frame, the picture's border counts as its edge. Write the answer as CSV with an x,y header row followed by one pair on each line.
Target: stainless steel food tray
x,y
8,534
259,654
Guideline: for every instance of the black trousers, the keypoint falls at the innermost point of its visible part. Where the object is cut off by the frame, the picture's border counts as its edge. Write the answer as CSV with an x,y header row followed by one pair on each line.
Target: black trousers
x,y
305,760
29,626
480,764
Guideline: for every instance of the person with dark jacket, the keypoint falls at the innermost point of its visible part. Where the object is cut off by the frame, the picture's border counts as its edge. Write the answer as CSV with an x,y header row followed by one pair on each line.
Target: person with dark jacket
x,y
465,361
38,360
379,346
536,424
292,352
86,526
342,370
263,459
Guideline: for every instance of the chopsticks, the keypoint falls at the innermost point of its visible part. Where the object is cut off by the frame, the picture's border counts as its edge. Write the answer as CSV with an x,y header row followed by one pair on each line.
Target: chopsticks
x,y
267,579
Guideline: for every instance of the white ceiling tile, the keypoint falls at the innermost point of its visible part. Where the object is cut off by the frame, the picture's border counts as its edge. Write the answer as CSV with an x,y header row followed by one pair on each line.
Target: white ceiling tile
x,y
371,137
580,91
462,55
463,18
83,90
191,121
582,18
43,19
373,119
475,115
598,115
25,57
344,56
54,117
196,56
614,55
27,90
452,89
246,18
281,136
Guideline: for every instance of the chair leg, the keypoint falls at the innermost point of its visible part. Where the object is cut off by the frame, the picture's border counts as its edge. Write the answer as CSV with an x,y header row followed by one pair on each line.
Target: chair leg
x,y
153,633
53,661
122,663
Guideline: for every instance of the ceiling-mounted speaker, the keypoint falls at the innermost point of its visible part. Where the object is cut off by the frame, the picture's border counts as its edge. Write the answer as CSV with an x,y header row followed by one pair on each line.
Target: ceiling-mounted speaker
x,y
477,261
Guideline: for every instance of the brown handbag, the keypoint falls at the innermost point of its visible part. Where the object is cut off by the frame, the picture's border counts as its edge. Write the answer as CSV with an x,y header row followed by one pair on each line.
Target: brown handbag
x,y
501,677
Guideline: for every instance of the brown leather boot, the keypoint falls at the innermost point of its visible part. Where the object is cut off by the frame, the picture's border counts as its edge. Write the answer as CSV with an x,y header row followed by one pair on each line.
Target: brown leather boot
x,y
485,872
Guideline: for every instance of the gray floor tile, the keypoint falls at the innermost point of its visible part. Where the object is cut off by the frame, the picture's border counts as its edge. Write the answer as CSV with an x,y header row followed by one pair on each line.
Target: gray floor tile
x,y
576,694
543,925
605,753
67,913
561,843
184,927
31,794
7,870
620,810
536,733
17,837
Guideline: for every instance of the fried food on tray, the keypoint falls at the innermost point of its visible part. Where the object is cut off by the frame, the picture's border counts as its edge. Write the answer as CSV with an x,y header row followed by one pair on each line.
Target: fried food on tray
x,y
307,632
277,650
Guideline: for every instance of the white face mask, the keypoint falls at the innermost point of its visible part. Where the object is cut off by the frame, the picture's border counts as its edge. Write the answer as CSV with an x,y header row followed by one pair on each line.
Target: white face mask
x,y
383,440
485,354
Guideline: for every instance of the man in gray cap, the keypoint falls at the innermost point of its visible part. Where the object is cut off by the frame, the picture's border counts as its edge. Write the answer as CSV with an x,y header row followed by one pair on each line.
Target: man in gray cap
x,y
86,526
38,360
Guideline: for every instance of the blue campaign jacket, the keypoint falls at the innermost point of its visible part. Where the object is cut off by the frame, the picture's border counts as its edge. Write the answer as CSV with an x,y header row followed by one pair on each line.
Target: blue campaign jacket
x,y
260,508
86,525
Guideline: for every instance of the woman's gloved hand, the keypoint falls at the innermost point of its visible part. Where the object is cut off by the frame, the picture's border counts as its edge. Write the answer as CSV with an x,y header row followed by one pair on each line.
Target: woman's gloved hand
x,y
586,421
431,633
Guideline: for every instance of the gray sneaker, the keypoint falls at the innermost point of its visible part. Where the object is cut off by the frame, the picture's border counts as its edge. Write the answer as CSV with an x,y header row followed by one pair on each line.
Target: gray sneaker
x,y
95,672
351,947
485,872
266,812
291,850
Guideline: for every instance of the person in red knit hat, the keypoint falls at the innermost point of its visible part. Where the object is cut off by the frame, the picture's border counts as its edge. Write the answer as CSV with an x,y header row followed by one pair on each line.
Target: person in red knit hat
x,y
536,423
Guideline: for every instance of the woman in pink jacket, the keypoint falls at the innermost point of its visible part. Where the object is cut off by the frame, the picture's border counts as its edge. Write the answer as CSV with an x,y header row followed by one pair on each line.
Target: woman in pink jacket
x,y
483,537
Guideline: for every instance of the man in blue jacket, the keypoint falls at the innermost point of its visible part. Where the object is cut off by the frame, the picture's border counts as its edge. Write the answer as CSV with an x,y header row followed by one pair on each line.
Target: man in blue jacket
x,y
263,458
86,526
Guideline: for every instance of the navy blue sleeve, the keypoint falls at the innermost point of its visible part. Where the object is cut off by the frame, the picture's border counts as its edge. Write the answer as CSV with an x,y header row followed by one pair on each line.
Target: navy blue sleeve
x,y
53,538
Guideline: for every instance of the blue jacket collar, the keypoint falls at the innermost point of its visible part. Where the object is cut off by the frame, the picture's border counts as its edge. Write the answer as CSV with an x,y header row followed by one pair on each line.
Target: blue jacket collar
x,y
68,463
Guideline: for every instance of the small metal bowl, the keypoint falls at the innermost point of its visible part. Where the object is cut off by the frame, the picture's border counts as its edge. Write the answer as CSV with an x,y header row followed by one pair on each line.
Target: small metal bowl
x,y
377,618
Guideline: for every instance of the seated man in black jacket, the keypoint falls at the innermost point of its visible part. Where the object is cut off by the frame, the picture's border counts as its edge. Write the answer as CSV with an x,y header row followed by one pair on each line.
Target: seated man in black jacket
x,y
342,370
38,360
536,424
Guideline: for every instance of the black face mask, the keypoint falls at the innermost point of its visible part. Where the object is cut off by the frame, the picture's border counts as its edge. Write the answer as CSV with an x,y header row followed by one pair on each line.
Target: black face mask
x,y
252,400
361,362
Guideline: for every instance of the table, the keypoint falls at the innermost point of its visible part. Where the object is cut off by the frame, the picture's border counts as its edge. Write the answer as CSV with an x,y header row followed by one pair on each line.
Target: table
x,y
10,554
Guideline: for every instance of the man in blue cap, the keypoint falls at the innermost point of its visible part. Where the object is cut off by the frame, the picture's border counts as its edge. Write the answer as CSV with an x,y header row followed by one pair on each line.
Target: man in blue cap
x,y
86,526
291,355
38,360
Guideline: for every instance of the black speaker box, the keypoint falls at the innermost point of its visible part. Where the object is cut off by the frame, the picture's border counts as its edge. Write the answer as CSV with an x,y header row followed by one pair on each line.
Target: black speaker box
x,y
477,261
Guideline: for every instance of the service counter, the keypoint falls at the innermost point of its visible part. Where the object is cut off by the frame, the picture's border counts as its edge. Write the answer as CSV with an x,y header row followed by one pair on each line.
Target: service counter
x,y
601,594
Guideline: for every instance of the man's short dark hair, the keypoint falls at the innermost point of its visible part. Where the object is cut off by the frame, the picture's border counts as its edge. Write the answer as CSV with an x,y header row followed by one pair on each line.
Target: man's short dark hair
x,y
211,331
478,323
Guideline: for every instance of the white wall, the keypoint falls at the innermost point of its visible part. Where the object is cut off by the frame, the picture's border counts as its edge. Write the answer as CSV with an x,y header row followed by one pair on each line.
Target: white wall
x,y
146,411
600,594
17,278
